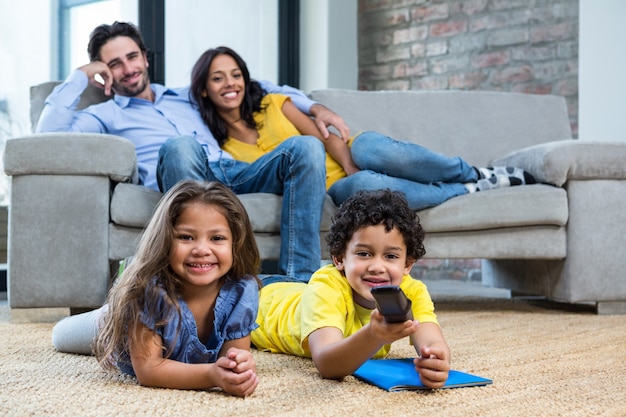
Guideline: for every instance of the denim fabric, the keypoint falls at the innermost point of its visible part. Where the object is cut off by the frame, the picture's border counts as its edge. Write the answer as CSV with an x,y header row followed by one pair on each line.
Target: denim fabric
x,y
235,315
147,124
295,169
427,178
267,279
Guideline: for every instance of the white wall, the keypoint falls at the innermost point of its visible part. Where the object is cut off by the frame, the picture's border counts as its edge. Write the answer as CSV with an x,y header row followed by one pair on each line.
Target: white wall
x,y
25,54
602,70
250,27
328,44
328,39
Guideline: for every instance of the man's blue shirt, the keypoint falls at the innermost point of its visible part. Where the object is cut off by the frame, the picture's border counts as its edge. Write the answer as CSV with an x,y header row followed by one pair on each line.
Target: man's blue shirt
x,y
146,124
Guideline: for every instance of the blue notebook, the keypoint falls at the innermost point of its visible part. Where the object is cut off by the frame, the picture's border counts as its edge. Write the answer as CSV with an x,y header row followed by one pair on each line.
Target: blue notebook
x,y
399,375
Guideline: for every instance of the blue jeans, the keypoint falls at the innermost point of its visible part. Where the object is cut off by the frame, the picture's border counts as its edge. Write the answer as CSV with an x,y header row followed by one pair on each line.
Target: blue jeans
x,y
295,169
427,178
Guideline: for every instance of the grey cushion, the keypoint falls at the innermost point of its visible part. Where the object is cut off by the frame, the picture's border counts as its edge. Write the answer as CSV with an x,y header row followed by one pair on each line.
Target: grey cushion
x,y
132,206
477,125
557,162
506,207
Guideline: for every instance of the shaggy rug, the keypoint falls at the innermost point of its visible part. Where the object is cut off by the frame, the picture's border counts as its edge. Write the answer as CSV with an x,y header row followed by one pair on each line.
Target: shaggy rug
x,y
545,360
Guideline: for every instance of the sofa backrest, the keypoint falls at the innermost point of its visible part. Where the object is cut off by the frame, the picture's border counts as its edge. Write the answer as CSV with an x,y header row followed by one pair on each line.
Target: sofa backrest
x,y
477,125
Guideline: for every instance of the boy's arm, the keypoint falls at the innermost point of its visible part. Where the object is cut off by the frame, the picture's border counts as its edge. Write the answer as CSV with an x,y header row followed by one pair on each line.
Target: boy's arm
x,y
335,356
323,115
433,363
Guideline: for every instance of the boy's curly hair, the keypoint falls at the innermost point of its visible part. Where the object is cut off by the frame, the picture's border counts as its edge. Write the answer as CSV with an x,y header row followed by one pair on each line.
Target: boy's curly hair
x,y
371,208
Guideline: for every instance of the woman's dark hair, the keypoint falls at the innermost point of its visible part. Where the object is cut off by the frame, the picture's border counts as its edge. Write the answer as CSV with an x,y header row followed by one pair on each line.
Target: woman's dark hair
x,y
371,208
104,33
250,104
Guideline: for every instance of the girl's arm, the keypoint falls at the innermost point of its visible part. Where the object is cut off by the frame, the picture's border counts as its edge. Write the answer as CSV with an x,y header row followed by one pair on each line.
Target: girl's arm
x,y
155,371
335,356
337,148
238,350
433,363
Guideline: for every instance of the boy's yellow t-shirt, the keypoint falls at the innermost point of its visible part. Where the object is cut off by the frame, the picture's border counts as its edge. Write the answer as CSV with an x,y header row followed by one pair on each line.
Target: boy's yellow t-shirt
x,y
289,312
274,128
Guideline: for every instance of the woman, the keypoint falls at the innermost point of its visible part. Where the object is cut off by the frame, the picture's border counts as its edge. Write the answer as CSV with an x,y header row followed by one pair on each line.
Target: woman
x,y
249,123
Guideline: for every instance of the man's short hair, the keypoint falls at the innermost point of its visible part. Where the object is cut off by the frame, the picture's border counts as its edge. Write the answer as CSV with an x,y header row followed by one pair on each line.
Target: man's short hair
x,y
104,33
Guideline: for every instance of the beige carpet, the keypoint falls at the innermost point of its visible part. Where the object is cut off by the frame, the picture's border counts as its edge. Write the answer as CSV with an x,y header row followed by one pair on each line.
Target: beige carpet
x,y
544,361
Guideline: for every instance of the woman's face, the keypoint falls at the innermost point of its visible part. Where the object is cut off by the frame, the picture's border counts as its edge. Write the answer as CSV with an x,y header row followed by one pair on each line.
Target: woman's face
x,y
225,85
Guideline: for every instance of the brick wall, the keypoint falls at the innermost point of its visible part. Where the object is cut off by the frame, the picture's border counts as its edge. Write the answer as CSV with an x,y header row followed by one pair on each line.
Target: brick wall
x,y
3,233
527,46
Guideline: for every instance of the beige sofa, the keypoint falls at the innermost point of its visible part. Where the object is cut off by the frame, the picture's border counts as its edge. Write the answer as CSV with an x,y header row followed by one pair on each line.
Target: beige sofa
x,y
75,211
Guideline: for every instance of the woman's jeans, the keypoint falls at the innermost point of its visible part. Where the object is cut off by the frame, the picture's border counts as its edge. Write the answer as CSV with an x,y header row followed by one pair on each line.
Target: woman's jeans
x,y
427,178
295,169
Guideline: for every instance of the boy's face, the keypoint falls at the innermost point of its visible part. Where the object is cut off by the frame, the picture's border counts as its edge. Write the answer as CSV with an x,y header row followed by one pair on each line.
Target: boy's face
x,y
373,257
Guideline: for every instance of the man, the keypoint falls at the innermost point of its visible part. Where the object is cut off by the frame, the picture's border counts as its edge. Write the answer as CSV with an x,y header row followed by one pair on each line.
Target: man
x,y
173,143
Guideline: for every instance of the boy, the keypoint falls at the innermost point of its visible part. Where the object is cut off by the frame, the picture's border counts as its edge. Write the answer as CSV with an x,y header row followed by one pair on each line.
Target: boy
x,y
374,239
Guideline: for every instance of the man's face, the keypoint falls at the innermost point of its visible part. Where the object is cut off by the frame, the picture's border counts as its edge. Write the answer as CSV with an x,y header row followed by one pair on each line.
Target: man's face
x,y
128,66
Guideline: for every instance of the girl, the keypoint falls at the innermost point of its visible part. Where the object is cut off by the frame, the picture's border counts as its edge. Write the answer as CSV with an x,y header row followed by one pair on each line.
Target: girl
x,y
181,313
249,123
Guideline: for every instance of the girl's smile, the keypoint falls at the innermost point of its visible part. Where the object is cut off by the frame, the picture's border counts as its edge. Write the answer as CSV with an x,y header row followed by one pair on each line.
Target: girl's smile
x,y
202,246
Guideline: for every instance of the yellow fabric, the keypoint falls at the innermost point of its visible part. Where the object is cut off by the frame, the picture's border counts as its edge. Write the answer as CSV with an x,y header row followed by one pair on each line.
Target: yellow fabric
x,y
289,312
274,128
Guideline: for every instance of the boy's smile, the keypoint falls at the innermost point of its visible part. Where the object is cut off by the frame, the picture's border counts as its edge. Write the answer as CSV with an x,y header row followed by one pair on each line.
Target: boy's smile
x,y
374,257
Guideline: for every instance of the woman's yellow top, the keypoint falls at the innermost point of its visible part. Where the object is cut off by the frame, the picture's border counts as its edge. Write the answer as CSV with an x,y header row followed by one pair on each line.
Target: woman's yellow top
x,y
274,128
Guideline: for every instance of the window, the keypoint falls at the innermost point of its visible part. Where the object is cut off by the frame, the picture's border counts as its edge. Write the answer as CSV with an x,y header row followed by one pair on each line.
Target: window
x,y
77,18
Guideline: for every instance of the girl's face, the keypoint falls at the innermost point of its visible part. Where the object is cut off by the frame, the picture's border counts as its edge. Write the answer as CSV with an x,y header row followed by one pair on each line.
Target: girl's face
x,y
202,246
225,85
373,257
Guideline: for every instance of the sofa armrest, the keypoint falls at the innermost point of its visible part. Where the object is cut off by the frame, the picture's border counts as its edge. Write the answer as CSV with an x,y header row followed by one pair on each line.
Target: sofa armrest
x,y
71,154
559,161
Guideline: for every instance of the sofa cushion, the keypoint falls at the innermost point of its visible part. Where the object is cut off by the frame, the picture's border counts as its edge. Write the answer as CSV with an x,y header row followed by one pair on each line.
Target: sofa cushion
x,y
132,206
557,162
529,205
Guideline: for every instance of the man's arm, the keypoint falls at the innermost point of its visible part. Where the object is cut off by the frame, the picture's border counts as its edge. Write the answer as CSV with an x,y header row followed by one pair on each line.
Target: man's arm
x,y
324,117
59,112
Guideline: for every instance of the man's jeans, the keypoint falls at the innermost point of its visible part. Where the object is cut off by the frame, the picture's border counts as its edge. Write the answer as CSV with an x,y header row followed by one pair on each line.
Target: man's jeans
x,y
296,169
426,178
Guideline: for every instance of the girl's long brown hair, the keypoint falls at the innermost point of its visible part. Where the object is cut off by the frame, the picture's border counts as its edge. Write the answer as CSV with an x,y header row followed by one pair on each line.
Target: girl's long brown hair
x,y
131,292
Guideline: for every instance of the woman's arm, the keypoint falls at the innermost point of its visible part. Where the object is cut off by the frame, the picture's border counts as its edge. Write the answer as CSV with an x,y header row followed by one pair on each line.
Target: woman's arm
x,y
337,148
155,371
323,115
335,356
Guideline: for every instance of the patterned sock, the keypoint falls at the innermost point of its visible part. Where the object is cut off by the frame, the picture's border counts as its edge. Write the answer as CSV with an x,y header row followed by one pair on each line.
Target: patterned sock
x,y
471,187
483,172
493,182
517,175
